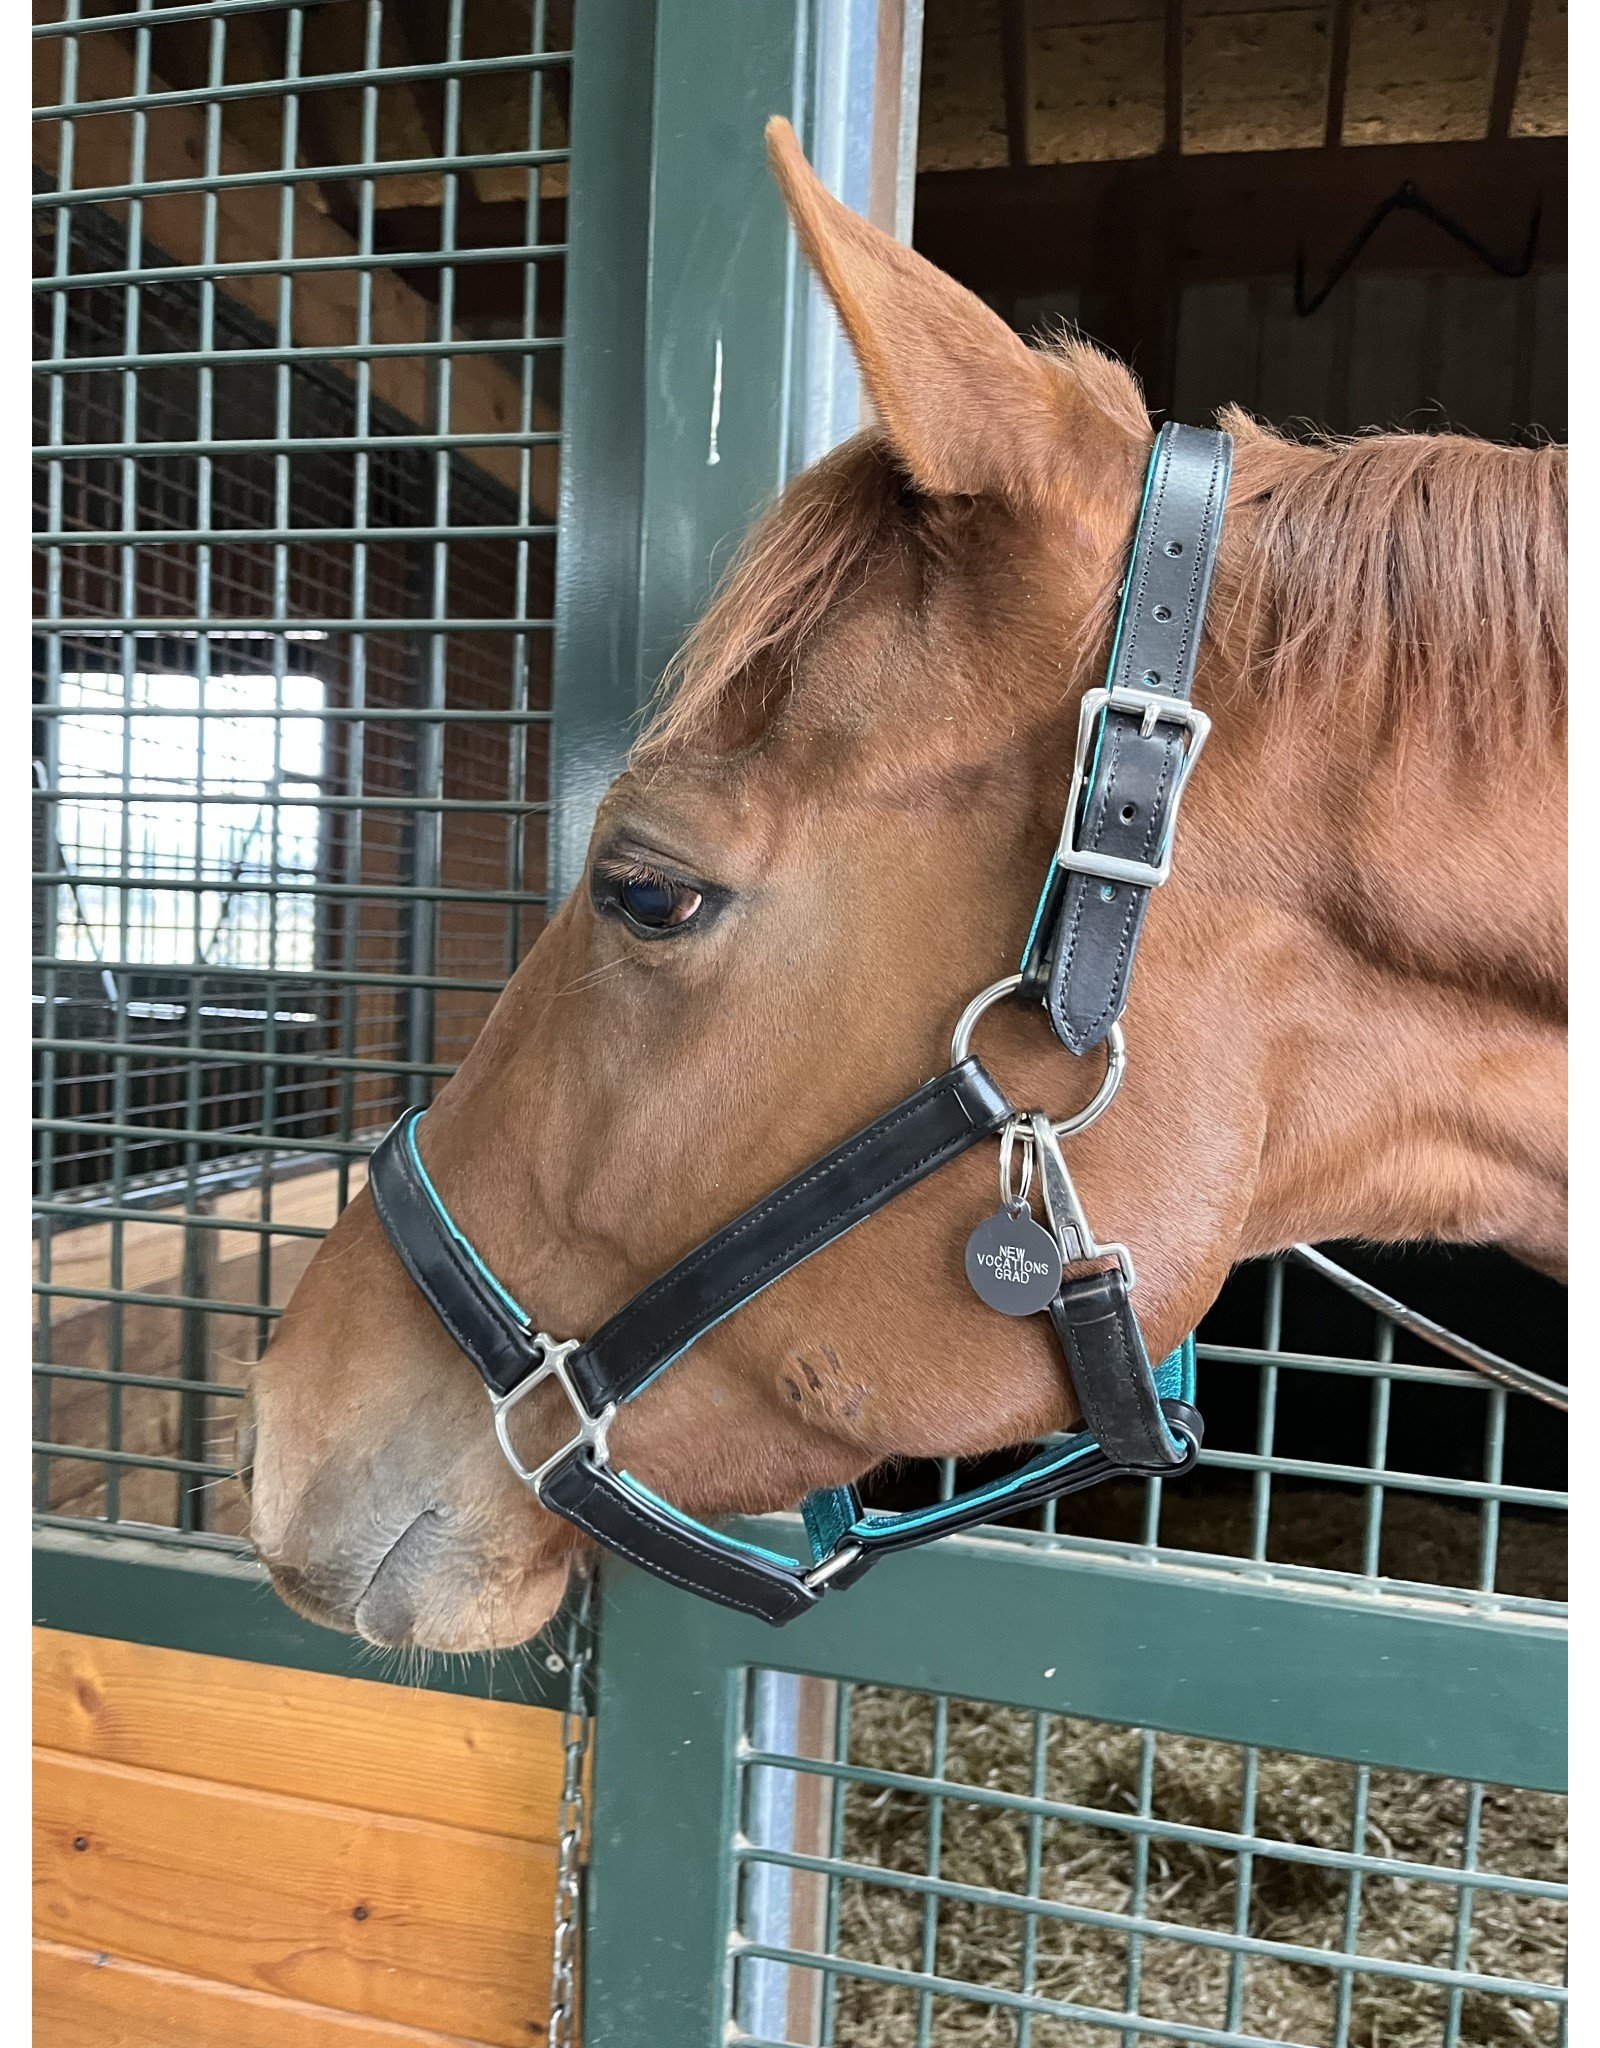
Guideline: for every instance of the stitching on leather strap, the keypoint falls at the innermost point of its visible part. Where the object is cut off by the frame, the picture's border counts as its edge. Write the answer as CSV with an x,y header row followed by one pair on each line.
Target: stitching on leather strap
x,y
773,1206
614,1542
445,1247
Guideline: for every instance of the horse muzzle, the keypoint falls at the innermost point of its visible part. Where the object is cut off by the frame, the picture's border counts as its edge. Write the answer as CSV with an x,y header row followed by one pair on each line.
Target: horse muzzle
x,y
390,1546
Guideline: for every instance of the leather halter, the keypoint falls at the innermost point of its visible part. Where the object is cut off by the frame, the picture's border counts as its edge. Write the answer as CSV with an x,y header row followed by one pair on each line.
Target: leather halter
x,y
1138,737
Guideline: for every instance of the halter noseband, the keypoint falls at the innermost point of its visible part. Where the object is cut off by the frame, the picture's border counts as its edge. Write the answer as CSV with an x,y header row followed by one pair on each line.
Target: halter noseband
x,y
1138,737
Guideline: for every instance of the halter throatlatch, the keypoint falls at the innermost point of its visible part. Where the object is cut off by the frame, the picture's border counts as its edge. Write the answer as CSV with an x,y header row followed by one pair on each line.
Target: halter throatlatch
x,y
1138,737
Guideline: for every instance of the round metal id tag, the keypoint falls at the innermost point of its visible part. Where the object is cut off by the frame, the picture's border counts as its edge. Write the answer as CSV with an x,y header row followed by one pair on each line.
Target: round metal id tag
x,y
1012,1264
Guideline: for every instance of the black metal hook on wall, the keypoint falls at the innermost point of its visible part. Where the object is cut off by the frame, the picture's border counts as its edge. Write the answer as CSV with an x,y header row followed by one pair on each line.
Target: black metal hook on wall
x,y
1409,200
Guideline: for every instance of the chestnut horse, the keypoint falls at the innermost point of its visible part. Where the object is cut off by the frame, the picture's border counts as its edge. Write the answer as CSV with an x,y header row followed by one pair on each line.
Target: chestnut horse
x,y
1347,1020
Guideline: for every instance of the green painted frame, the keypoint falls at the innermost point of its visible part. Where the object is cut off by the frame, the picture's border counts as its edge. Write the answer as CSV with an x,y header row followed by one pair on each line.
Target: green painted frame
x,y
676,399
218,1603
1370,1680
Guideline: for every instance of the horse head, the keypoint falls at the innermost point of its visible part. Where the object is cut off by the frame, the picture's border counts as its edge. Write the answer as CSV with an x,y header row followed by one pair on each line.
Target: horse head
x,y
1346,1019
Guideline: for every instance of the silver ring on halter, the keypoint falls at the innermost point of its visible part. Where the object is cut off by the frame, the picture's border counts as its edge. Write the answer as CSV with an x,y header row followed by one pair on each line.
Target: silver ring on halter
x,y
1116,1055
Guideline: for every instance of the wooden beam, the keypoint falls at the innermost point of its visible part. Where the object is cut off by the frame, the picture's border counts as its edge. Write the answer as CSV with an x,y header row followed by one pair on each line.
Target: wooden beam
x,y
1014,77
1239,215
1172,78
1338,71
416,1924
83,1999
485,397
1508,67
1128,301
424,34
320,143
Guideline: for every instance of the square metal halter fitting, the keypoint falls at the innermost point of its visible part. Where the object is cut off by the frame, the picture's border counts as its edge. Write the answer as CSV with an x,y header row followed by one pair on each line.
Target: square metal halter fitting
x,y
1151,710
592,1429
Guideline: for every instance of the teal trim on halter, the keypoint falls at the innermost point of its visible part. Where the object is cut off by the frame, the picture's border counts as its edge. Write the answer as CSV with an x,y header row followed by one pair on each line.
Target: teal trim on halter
x,y
449,1223
873,1526
717,1536
1175,1375
828,1514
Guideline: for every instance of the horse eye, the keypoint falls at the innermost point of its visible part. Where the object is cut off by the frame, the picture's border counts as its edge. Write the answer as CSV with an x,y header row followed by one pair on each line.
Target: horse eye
x,y
653,901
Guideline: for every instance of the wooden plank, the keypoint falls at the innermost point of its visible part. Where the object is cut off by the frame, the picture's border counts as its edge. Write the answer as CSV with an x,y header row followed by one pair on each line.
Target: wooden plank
x,y
1508,66
152,1252
1218,339
485,398
1297,362
1476,361
1388,378
1338,71
99,2001
426,1926
489,1765
1014,79
1547,376
1172,77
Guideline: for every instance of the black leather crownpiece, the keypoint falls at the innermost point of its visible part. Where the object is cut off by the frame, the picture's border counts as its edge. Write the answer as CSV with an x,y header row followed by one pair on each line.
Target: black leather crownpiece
x,y
445,1270
598,1501
848,1184
1099,1333
1080,955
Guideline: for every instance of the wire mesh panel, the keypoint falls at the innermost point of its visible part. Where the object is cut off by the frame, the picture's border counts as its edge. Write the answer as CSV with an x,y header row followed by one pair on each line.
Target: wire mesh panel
x,y
1341,1452
982,1875
925,1868
300,286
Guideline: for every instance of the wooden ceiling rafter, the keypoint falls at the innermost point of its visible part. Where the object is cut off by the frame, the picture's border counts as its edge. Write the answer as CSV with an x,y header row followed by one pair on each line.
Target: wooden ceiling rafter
x,y
1508,67
1016,81
1172,78
1339,25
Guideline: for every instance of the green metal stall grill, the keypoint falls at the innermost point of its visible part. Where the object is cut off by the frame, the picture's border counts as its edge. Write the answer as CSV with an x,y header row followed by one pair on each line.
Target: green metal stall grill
x,y
1272,1754
293,664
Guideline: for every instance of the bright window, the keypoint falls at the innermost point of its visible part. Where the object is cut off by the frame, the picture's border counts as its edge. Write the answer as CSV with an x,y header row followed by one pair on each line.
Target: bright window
x,y
216,786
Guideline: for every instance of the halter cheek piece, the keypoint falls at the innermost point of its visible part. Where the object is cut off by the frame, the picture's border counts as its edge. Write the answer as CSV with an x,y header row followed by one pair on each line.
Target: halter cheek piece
x,y
1138,738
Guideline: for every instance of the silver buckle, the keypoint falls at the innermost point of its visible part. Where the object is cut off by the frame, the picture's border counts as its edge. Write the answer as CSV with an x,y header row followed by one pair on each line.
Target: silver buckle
x,y
592,1429
1153,710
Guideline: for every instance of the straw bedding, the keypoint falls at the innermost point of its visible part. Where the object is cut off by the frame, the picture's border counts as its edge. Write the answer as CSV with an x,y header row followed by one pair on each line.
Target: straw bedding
x,y
1301,1799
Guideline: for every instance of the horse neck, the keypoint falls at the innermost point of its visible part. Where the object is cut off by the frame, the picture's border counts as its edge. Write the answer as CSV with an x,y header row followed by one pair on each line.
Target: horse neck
x,y
1413,1067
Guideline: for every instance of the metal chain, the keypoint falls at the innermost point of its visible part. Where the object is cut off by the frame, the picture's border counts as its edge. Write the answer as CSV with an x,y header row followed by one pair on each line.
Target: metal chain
x,y
575,1731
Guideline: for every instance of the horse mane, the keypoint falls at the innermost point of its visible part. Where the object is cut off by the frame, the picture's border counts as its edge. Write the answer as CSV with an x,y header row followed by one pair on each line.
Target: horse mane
x,y
1417,581
1414,581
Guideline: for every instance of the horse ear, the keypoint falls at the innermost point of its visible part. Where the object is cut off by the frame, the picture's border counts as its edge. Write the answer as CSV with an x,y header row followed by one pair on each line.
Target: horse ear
x,y
970,408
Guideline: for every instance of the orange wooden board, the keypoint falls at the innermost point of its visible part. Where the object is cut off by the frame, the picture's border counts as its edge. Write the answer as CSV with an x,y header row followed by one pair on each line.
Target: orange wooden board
x,y
99,2001
487,1765
327,1905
